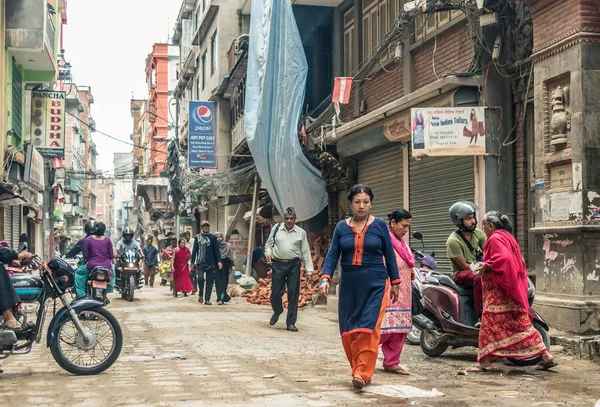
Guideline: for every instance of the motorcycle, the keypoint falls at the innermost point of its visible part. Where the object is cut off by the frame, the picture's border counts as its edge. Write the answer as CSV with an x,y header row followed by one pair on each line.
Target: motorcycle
x,y
84,337
97,284
449,318
426,264
129,274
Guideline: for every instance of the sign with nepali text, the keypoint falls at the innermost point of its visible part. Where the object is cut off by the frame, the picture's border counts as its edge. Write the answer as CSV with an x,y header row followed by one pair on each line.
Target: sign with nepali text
x,y
48,122
448,131
34,168
202,135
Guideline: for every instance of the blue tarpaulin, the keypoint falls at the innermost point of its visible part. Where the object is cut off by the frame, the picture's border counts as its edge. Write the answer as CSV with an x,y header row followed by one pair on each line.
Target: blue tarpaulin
x,y
275,86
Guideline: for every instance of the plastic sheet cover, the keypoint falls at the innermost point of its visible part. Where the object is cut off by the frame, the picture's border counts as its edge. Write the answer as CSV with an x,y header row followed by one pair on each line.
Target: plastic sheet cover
x,y
275,86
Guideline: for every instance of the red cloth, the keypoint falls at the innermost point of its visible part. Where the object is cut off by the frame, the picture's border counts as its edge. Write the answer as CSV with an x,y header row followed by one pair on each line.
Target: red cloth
x,y
181,271
502,255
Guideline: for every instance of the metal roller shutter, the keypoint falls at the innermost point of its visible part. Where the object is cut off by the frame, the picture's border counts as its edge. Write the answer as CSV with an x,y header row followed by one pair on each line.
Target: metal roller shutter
x,y
435,184
212,218
221,220
382,172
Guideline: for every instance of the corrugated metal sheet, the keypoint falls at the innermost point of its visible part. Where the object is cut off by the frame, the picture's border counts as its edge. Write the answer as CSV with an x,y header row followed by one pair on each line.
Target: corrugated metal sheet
x,y
212,218
221,220
435,184
382,172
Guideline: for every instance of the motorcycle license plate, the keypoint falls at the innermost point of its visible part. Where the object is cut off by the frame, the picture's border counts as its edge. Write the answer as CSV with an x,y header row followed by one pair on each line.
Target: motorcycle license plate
x,y
100,284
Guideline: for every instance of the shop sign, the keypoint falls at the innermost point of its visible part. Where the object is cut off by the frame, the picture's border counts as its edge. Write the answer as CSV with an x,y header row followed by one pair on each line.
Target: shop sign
x,y
202,135
239,245
448,131
34,168
48,122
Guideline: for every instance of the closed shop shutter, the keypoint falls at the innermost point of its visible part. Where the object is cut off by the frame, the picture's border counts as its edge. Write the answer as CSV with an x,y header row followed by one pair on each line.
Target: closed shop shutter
x,y
7,222
435,184
212,218
382,172
221,219
12,225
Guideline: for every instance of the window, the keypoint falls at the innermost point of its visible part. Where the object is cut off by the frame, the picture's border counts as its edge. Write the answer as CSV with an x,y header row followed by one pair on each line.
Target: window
x,y
213,53
17,103
349,51
198,16
425,25
203,67
370,34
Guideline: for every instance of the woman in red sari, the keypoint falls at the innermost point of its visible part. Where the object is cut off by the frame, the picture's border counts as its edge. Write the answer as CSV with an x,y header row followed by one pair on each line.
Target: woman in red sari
x,y
181,270
506,329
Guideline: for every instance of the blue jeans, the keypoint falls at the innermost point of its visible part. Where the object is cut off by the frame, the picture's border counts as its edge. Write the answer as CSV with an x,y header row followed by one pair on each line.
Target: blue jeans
x,y
81,276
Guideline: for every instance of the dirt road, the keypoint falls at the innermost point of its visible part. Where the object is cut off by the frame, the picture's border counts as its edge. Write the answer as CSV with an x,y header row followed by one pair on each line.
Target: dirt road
x,y
180,353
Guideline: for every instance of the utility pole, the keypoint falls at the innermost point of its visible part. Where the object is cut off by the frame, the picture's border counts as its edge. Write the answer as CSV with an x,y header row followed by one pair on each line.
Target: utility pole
x,y
252,225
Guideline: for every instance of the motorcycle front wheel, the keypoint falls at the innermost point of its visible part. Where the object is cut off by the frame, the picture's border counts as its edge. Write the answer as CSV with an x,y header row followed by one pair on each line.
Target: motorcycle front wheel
x,y
131,288
103,346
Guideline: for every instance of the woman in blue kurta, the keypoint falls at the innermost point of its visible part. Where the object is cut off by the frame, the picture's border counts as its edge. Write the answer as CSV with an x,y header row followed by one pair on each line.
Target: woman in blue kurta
x,y
363,242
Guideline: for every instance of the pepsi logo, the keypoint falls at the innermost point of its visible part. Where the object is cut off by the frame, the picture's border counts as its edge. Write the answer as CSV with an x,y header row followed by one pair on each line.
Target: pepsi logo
x,y
204,114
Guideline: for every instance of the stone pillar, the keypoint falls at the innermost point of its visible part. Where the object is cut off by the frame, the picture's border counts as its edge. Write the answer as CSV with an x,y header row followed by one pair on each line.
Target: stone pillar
x,y
566,59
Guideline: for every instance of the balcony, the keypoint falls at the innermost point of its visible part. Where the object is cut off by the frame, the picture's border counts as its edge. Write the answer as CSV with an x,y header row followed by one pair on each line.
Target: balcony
x,y
238,135
205,22
31,35
72,211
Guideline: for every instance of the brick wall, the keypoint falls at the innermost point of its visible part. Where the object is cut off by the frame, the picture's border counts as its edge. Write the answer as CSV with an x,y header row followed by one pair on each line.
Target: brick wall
x,y
521,184
454,53
553,19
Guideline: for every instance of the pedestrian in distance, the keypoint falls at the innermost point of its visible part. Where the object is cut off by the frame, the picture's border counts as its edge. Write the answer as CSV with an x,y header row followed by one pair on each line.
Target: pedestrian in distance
x,y
397,321
190,245
206,260
368,277
150,261
222,275
506,328
180,261
287,246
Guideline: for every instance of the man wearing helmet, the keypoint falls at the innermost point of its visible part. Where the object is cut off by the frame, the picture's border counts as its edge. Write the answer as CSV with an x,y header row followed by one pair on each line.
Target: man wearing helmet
x,y
127,242
78,248
464,247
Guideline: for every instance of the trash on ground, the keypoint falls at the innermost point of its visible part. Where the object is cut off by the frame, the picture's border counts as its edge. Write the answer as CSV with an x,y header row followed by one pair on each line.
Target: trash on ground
x,y
301,380
172,356
269,376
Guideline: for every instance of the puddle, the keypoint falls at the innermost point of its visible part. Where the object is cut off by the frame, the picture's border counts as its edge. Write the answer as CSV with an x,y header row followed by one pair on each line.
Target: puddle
x,y
401,391
172,356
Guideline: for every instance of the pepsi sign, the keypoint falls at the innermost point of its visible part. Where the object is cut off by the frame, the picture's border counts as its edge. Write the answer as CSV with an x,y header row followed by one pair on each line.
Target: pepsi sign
x,y
202,135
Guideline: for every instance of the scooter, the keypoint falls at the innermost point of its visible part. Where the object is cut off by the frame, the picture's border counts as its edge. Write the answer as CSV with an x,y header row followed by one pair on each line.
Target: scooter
x,y
449,318
425,264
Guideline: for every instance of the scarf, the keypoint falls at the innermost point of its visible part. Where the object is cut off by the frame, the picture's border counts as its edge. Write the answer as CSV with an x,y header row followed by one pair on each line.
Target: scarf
x,y
502,255
224,247
402,250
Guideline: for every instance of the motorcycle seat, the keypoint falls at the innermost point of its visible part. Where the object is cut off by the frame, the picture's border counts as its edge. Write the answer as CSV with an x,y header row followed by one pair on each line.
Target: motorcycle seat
x,y
463,290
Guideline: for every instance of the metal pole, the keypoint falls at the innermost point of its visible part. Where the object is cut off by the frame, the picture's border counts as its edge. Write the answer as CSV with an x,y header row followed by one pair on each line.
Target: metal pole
x,y
177,209
252,226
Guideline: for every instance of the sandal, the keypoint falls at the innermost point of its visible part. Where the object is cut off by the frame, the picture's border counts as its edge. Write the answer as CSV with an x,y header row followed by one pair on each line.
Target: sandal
x,y
546,365
398,370
358,382
477,368
13,325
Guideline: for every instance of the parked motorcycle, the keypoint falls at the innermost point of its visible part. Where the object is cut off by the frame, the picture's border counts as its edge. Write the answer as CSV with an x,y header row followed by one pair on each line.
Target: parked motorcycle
x,y
424,264
129,274
449,318
83,336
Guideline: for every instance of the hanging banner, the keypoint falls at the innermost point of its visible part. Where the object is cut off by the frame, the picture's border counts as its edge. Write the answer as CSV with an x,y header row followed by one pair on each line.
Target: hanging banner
x,y
34,168
48,122
202,135
448,131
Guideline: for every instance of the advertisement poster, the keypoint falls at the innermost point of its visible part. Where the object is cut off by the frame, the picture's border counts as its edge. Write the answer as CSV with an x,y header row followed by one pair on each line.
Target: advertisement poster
x,y
448,131
48,122
202,144
34,168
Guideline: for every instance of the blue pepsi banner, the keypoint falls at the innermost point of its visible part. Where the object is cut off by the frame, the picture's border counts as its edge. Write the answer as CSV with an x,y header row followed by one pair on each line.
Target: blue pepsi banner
x,y
202,135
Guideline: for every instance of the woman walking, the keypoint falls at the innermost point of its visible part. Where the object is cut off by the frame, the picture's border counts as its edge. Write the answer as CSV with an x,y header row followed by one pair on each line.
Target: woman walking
x,y
397,321
506,329
363,242
181,269
222,275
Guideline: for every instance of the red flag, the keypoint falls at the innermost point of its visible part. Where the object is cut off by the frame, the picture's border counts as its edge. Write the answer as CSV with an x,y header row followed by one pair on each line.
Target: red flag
x,y
57,163
341,90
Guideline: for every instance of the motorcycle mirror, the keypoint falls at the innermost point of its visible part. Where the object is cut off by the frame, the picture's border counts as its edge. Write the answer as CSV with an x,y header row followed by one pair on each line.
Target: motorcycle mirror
x,y
432,254
418,235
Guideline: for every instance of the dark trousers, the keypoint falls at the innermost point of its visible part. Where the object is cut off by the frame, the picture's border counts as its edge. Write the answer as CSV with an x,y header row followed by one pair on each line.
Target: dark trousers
x,y
8,295
466,277
194,277
286,274
207,269
222,279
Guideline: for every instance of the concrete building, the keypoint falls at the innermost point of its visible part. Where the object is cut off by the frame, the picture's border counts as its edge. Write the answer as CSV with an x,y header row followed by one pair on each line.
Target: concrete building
x,y
104,203
123,197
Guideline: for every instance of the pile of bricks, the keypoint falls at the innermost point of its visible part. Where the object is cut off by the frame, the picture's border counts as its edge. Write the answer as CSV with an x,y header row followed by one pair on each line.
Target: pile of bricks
x,y
309,286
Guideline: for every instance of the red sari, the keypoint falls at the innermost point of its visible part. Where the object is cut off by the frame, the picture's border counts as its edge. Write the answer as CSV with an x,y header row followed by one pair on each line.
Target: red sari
x,y
181,271
506,328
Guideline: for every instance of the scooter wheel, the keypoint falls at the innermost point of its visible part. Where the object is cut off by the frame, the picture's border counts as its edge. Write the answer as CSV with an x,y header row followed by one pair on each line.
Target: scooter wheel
x,y
430,345
537,359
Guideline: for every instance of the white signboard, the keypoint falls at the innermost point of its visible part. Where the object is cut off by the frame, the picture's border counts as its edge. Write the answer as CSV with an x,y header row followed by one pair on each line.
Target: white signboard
x,y
448,131
48,122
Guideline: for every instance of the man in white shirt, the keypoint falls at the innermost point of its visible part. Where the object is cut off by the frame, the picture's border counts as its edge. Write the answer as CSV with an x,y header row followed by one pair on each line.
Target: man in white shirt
x,y
285,249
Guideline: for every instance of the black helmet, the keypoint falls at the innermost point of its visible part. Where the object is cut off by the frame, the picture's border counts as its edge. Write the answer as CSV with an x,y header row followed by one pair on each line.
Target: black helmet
x,y
127,235
461,210
89,227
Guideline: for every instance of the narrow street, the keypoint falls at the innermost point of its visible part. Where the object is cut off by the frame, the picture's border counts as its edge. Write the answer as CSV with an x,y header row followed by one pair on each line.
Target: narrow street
x,y
180,353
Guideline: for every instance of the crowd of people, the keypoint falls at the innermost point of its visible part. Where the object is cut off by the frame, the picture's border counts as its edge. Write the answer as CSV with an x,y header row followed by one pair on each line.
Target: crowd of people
x,y
375,293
